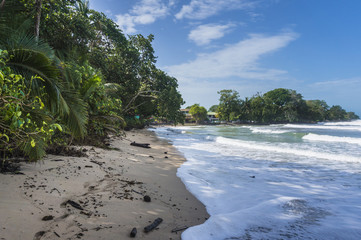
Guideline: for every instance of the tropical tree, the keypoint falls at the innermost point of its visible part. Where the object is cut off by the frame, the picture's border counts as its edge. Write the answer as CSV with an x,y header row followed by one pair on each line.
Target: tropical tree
x,y
25,124
245,110
336,113
229,102
317,110
168,99
213,108
37,18
80,69
199,113
283,105
352,116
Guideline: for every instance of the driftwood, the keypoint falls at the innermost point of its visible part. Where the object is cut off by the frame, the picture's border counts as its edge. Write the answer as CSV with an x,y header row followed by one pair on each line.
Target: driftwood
x,y
137,192
143,145
133,233
74,204
38,235
96,162
153,225
179,229
48,218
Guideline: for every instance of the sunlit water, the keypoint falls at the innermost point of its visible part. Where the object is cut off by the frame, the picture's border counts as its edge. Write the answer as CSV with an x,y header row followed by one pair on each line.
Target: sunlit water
x,y
291,181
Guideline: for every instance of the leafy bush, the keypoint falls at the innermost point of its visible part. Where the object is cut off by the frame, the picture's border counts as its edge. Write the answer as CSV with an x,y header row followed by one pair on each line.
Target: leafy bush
x,y
25,125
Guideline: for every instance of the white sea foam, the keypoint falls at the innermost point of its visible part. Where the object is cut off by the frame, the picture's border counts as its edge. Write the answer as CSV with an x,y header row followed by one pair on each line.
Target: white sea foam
x,y
267,131
350,123
327,138
256,187
328,127
288,150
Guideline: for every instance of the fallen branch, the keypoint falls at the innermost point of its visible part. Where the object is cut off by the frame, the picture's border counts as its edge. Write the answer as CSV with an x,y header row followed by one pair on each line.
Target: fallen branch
x,y
143,145
153,225
74,204
179,229
137,192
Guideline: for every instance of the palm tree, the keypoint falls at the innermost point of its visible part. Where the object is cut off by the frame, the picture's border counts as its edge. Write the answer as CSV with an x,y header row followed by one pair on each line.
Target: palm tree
x,y
37,18
31,57
83,7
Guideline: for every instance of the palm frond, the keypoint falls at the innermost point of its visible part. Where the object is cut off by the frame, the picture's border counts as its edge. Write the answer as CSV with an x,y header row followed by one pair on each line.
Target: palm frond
x,y
29,63
76,117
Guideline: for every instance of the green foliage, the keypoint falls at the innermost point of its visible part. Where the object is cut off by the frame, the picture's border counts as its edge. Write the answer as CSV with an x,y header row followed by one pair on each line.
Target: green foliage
x,y
79,73
213,108
278,106
351,116
199,113
336,113
229,104
283,105
317,110
104,109
168,99
25,125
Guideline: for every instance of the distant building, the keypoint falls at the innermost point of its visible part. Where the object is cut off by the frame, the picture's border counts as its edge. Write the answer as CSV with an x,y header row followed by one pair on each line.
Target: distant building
x,y
212,117
188,116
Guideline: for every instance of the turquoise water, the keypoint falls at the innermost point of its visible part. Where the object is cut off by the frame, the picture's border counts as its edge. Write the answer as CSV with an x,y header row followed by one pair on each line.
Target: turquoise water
x,y
273,182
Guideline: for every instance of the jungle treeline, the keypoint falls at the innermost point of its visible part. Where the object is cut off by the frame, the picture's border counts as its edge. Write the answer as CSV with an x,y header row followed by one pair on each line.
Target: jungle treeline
x,y
277,106
68,73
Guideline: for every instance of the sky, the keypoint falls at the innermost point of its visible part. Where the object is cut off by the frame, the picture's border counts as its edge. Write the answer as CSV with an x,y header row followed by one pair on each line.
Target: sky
x,y
251,46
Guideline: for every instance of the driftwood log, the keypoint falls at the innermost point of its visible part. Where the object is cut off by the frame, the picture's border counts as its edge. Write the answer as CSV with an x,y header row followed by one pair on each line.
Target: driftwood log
x,y
153,225
133,233
143,145
179,229
73,204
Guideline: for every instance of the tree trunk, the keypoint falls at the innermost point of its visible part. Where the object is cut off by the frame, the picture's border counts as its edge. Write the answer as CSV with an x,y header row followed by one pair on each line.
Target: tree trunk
x,y
2,3
37,18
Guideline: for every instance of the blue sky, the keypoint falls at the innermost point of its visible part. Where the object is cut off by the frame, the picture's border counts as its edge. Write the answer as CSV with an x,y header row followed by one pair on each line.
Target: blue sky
x,y
311,46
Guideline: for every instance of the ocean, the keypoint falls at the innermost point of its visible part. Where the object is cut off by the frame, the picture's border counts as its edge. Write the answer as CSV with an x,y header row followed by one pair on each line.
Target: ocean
x,y
283,181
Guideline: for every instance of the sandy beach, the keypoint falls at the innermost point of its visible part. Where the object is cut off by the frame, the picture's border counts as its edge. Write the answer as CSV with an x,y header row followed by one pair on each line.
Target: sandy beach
x,y
100,196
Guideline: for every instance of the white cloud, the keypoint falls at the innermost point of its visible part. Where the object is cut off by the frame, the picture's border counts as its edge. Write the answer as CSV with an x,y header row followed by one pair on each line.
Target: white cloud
x,y
237,60
336,83
144,12
201,9
204,34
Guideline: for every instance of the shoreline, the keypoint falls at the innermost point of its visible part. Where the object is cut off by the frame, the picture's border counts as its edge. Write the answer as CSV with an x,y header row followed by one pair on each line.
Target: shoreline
x,y
108,186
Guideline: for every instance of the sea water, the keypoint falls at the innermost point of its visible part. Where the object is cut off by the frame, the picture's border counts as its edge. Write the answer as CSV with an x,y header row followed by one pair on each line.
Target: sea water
x,y
291,181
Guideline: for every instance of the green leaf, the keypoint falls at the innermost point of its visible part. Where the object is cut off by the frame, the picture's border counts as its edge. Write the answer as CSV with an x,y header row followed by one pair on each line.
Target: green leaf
x,y
1,78
32,143
6,136
20,123
58,127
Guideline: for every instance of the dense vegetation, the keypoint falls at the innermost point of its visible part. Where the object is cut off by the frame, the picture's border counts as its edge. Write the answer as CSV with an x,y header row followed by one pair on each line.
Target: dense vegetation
x,y
199,113
277,106
69,73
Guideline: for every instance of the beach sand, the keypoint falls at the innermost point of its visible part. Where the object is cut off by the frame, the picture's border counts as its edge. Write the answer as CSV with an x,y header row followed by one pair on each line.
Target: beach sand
x,y
100,196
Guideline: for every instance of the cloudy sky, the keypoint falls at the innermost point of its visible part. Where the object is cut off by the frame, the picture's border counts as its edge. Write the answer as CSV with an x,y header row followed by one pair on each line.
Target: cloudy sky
x,y
311,46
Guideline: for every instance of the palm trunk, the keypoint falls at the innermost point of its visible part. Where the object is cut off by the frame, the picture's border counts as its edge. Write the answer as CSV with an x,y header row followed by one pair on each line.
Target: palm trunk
x,y
2,3
37,18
